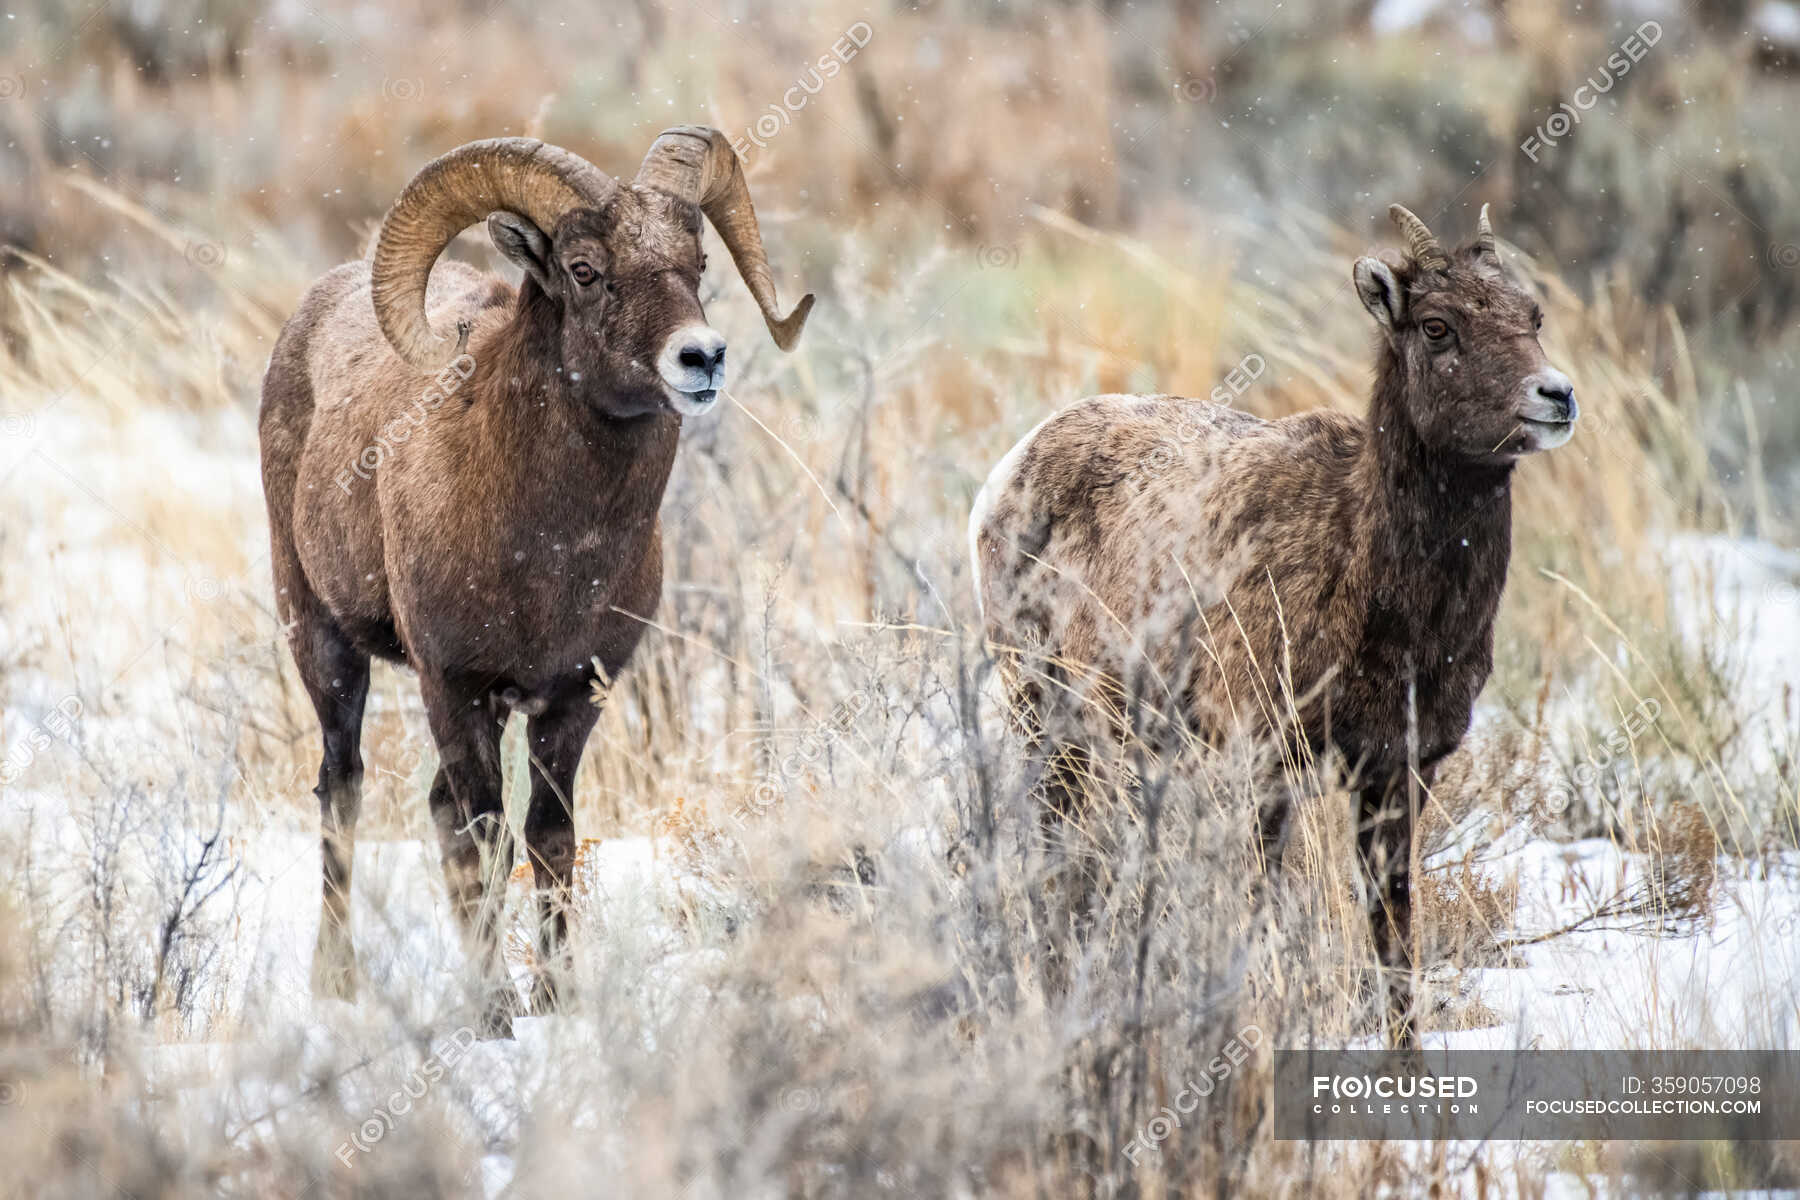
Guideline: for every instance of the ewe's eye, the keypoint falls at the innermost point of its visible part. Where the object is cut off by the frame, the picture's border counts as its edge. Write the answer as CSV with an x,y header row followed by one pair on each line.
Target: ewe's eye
x,y
1435,329
1537,319
583,273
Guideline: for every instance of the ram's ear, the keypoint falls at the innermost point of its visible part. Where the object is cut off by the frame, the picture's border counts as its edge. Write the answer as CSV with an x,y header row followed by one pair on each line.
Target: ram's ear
x,y
524,243
1381,293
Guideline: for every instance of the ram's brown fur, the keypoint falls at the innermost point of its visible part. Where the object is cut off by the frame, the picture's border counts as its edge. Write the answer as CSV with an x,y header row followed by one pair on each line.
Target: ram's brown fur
x,y
504,542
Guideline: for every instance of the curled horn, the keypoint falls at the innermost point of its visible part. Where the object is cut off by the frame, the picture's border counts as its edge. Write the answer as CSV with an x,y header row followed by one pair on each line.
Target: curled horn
x,y
1423,246
522,175
697,164
1484,236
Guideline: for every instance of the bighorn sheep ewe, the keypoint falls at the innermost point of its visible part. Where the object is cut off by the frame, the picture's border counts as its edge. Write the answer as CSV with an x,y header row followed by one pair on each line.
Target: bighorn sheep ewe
x,y
507,544
1328,580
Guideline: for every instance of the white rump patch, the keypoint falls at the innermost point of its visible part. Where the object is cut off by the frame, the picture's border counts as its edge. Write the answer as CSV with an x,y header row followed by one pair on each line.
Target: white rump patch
x,y
997,481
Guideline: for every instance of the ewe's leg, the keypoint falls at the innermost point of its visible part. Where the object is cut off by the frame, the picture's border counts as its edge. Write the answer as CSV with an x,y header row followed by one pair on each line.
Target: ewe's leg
x,y
1384,846
337,679
556,738
466,807
1068,890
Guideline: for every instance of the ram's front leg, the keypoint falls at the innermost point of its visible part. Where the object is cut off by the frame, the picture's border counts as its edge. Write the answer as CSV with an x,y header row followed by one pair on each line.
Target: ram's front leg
x,y
1384,835
556,738
467,808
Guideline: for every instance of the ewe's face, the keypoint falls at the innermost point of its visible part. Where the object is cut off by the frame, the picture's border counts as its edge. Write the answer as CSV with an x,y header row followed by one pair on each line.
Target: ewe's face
x,y
1478,384
634,337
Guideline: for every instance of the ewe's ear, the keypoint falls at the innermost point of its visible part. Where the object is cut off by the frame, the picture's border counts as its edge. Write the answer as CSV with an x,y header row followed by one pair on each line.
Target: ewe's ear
x,y
517,238
1380,293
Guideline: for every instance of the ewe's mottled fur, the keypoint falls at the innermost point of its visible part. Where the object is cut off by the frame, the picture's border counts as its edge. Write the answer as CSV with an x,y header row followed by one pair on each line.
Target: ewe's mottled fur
x,y
1194,568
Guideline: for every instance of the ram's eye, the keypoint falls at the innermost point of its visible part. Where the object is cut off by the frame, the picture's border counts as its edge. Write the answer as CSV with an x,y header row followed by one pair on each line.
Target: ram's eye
x,y
1435,329
583,273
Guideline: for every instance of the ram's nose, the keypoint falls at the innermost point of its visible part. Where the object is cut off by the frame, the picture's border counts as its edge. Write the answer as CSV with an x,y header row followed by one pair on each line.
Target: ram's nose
x,y
693,359
703,350
692,366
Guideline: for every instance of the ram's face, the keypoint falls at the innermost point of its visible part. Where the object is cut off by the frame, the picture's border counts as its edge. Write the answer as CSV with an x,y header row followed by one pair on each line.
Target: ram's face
x,y
624,283
610,308
634,337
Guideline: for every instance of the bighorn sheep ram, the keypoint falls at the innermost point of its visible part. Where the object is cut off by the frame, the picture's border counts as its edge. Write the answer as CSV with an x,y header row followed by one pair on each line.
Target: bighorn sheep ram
x,y
506,544
1326,580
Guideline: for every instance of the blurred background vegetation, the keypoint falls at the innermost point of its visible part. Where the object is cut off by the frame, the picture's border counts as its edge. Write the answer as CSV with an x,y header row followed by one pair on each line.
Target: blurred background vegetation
x,y
958,120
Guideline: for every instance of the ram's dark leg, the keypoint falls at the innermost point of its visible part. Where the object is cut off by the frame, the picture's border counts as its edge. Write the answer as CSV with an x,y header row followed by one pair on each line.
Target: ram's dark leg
x,y
477,846
336,676
556,738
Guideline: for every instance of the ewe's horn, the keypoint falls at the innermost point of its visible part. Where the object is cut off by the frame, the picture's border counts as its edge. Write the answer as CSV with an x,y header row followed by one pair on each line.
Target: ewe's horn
x,y
697,164
1424,247
1484,236
522,175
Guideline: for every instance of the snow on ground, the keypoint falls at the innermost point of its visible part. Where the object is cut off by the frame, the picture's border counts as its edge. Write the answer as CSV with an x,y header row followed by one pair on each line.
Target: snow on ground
x,y
266,909
1731,980
259,1039
94,505
1742,597
1731,983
